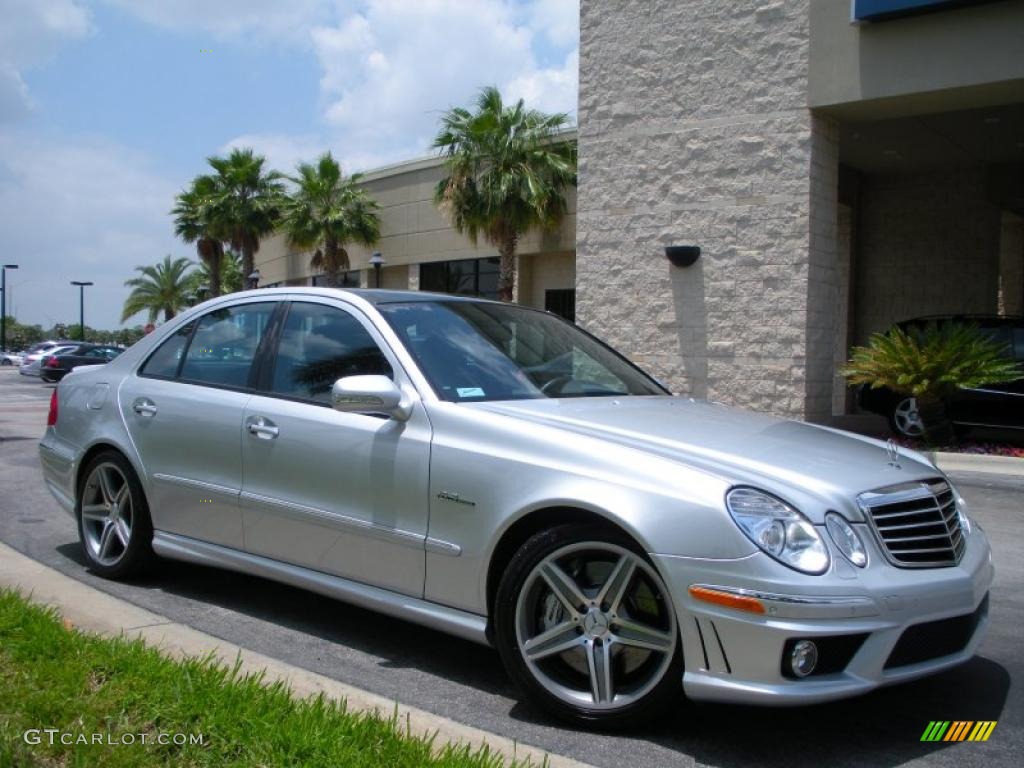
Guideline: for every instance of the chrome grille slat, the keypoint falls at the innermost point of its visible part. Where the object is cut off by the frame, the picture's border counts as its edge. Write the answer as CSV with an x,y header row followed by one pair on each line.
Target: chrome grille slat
x,y
916,524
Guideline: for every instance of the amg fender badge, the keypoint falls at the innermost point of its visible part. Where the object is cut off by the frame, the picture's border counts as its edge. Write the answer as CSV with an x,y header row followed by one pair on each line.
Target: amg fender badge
x,y
445,496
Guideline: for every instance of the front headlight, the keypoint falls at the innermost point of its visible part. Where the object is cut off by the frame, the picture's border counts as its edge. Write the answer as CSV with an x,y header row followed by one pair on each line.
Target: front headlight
x,y
778,529
846,539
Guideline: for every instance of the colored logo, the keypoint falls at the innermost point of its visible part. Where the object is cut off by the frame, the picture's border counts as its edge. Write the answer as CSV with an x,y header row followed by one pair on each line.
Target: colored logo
x,y
959,730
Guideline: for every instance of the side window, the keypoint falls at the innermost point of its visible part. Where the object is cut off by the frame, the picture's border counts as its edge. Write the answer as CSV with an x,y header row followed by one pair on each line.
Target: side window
x,y
225,343
320,344
163,363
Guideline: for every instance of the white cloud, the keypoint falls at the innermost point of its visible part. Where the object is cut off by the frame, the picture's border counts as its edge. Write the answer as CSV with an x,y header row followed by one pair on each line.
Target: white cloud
x,y
390,70
80,210
280,20
30,35
549,90
558,20
283,152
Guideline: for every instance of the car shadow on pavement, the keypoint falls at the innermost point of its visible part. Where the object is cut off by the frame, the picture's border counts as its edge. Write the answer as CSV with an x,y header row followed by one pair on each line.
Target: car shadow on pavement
x,y
398,644
882,728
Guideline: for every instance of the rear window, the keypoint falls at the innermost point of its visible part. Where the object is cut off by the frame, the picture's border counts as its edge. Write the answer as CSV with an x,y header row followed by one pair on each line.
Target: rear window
x,y
163,363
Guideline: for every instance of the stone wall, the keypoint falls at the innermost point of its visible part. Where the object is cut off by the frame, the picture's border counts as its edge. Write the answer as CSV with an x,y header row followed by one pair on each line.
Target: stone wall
x,y
927,244
694,130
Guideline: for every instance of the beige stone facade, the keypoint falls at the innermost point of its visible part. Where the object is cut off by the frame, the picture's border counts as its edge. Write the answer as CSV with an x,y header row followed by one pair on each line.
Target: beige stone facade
x,y
413,232
827,170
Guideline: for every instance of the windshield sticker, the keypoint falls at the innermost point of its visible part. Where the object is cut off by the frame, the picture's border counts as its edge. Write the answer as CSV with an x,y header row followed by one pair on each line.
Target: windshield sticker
x,y
469,391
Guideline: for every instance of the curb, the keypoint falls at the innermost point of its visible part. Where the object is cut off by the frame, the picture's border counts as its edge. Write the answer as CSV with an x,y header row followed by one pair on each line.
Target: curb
x,y
975,462
92,610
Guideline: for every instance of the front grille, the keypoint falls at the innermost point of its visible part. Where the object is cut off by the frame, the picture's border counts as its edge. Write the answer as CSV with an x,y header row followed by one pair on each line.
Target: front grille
x,y
916,524
935,639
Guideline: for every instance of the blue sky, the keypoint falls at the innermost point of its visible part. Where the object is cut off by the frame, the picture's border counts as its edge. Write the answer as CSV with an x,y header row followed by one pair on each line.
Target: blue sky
x,y
108,108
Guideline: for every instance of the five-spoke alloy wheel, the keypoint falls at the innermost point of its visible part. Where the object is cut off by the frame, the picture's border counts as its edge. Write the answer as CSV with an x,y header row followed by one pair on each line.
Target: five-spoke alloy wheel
x,y
113,518
586,627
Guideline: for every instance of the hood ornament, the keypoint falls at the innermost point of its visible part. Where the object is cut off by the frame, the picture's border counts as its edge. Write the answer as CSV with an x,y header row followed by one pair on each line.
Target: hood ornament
x,y
893,452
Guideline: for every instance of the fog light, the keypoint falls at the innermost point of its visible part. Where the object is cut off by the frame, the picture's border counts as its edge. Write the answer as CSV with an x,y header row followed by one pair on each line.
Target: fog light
x,y
803,658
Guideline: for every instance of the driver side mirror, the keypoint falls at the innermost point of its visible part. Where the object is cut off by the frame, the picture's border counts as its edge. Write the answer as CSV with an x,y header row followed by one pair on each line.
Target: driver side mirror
x,y
370,394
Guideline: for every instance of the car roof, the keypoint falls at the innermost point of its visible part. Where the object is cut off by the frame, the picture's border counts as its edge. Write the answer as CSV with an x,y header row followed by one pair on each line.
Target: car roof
x,y
371,295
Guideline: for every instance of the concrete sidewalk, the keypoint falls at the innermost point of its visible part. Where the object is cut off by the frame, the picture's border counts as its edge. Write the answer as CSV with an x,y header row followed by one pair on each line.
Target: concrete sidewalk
x,y
91,610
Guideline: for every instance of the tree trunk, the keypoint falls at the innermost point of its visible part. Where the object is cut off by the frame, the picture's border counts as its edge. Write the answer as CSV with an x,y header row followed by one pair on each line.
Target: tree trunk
x,y
331,263
507,268
247,264
168,314
938,429
215,264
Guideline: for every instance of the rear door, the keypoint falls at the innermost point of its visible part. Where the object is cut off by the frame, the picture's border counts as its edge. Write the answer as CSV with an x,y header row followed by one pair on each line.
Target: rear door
x,y
183,409
342,493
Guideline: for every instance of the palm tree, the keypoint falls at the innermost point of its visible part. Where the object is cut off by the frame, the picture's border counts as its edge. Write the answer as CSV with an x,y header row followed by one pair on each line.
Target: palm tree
x,y
194,222
507,173
243,201
327,210
162,287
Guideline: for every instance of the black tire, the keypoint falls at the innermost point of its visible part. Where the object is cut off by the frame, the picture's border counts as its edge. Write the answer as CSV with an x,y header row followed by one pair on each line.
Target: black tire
x,y
663,685
5,361
124,561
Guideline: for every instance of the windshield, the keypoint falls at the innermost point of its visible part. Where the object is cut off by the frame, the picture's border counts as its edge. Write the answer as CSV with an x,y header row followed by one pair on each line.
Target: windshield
x,y
472,352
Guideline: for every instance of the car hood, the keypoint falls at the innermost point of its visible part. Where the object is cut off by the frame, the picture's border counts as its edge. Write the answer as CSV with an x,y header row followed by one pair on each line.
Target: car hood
x,y
739,446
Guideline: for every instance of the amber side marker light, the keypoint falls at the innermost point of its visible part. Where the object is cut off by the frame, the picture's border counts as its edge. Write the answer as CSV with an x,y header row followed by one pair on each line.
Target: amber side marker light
x,y
729,600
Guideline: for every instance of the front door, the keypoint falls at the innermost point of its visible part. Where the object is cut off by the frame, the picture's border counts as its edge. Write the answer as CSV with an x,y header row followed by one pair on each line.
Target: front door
x,y
341,493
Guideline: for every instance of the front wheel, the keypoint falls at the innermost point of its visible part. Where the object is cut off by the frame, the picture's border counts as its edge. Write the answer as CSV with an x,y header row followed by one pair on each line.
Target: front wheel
x,y
905,419
585,627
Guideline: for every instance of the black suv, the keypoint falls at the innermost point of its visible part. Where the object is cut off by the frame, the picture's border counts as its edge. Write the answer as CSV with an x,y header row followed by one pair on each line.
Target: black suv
x,y
998,406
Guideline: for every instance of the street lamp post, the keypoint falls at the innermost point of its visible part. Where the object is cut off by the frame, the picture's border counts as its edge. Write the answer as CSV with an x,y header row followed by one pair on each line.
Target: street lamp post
x,y
377,261
81,306
3,305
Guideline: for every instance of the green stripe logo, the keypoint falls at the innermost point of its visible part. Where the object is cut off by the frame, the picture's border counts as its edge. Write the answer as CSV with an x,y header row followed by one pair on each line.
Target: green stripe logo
x,y
935,731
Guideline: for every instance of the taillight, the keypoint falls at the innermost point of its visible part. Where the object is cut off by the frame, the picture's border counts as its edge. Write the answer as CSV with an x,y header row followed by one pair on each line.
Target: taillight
x,y
51,362
51,417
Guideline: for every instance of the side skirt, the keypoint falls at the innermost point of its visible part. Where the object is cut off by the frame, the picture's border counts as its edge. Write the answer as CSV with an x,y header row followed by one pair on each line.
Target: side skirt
x,y
460,623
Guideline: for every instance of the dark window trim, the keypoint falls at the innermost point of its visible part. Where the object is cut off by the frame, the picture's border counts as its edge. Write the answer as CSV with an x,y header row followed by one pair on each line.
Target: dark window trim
x,y
194,322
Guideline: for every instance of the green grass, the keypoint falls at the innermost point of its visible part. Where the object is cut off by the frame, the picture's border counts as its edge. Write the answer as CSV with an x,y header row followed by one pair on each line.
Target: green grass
x,y
53,677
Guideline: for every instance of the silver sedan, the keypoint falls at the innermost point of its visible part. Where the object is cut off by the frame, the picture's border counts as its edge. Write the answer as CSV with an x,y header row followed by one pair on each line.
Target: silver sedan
x,y
494,472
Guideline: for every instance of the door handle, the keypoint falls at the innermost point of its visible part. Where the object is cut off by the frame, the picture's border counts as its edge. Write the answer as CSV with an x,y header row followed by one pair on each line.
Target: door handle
x,y
144,406
262,428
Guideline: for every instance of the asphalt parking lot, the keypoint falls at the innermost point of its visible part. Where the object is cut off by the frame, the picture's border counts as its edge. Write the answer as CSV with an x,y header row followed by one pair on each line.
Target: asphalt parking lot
x,y
463,681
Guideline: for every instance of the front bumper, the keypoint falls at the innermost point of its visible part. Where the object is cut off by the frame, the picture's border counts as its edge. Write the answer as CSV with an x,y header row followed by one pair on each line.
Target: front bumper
x,y
737,656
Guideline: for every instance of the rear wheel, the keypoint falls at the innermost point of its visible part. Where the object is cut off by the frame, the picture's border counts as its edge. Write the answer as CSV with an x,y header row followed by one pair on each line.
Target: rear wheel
x,y
113,518
586,627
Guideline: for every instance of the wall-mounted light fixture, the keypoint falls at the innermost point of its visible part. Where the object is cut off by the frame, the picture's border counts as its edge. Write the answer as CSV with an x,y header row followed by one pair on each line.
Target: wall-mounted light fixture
x,y
682,255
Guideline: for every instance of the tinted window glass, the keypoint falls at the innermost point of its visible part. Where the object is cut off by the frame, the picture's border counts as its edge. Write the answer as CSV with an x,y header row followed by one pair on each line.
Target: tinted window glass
x,y
224,345
164,362
474,351
319,345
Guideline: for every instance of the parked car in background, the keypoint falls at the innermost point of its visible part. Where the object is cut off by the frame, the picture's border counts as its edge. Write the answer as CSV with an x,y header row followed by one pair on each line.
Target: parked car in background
x,y
56,365
994,406
32,362
493,471
10,358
